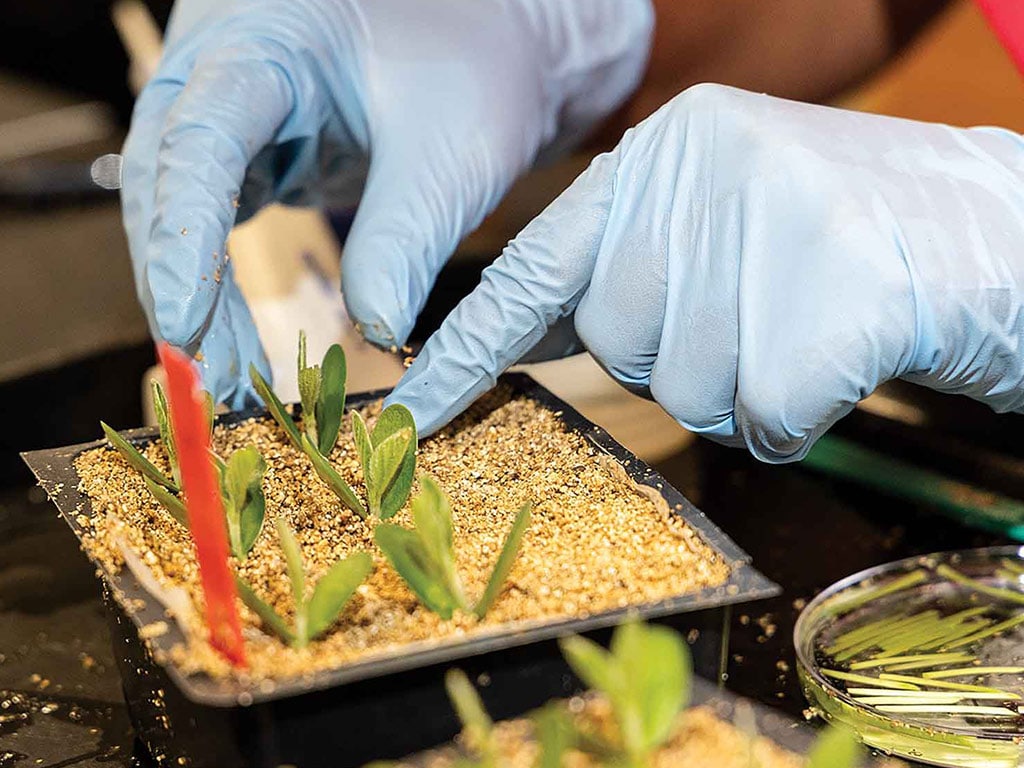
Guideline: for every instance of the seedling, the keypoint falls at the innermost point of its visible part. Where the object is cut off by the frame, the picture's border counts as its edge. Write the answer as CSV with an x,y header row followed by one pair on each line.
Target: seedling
x,y
241,477
425,556
387,454
646,677
139,462
477,726
837,747
553,727
327,598
241,483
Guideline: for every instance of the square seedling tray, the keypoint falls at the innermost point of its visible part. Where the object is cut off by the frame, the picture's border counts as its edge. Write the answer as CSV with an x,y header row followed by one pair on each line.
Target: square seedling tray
x,y
376,708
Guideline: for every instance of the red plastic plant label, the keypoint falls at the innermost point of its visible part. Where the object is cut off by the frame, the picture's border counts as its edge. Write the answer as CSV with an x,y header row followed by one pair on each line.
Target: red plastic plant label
x,y
1007,20
203,503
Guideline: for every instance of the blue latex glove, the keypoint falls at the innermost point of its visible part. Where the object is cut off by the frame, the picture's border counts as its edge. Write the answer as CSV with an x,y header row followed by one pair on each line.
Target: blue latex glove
x,y
757,266
282,100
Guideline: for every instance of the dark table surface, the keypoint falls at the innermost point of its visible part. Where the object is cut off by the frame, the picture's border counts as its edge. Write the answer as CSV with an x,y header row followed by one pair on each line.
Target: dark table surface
x,y
60,699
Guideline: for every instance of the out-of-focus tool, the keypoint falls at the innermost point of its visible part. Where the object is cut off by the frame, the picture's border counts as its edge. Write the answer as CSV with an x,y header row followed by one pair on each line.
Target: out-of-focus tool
x,y
203,503
970,504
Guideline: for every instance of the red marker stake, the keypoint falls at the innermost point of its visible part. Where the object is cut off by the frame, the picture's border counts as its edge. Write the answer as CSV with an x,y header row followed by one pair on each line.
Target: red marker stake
x,y
1007,20
203,503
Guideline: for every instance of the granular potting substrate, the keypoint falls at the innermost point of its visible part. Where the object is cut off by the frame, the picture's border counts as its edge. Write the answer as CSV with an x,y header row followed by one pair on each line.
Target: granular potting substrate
x,y
700,739
597,540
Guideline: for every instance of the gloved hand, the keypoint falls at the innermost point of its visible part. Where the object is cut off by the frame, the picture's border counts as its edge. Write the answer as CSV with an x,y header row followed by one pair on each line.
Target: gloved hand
x,y
437,105
757,266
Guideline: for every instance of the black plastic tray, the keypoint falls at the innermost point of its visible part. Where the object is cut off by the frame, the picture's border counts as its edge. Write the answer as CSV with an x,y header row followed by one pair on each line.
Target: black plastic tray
x,y
388,706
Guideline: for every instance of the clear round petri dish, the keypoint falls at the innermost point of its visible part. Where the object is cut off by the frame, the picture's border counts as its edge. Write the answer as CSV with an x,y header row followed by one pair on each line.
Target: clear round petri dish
x,y
923,657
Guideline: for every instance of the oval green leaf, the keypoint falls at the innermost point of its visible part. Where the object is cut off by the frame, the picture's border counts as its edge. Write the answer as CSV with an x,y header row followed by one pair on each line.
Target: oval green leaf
x,y
330,404
361,437
385,463
334,590
393,419
656,669
243,485
406,554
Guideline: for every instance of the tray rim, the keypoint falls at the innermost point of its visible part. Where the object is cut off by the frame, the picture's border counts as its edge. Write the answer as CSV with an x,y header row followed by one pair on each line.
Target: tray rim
x,y
744,584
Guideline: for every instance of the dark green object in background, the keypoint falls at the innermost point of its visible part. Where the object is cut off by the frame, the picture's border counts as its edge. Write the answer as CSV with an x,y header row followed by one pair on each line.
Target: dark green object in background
x,y
962,501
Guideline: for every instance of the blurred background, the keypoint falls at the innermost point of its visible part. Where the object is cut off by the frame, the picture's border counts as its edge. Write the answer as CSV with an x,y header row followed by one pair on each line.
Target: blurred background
x,y
73,343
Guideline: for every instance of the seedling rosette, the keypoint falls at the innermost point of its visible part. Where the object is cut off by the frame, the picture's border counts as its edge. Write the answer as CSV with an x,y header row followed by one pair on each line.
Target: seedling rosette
x,y
241,476
387,453
316,607
647,678
425,556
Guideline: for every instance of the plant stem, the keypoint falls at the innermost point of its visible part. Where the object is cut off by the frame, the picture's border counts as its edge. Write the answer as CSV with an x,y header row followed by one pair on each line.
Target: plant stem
x,y
871,593
943,684
947,709
1005,594
994,629
928,658
850,677
971,671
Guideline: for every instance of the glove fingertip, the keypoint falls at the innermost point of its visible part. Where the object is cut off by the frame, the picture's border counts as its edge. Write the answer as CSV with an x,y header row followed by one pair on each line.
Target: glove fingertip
x,y
374,303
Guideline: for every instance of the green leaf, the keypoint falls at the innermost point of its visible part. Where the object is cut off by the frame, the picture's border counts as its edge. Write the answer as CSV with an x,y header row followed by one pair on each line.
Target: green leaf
x,y
219,463
554,730
302,350
268,615
330,404
406,553
309,391
275,406
432,515
209,410
385,463
330,475
836,747
506,558
293,559
243,488
657,673
163,421
362,440
476,723
393,419
137,461
175,506
335,589
591,663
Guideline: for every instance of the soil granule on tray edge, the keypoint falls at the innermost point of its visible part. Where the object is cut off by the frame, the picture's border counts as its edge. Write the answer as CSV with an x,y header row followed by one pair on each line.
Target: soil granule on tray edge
x,y
596,542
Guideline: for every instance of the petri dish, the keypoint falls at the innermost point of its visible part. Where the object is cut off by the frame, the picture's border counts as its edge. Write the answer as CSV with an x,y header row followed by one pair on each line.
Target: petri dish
x,y
923,657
